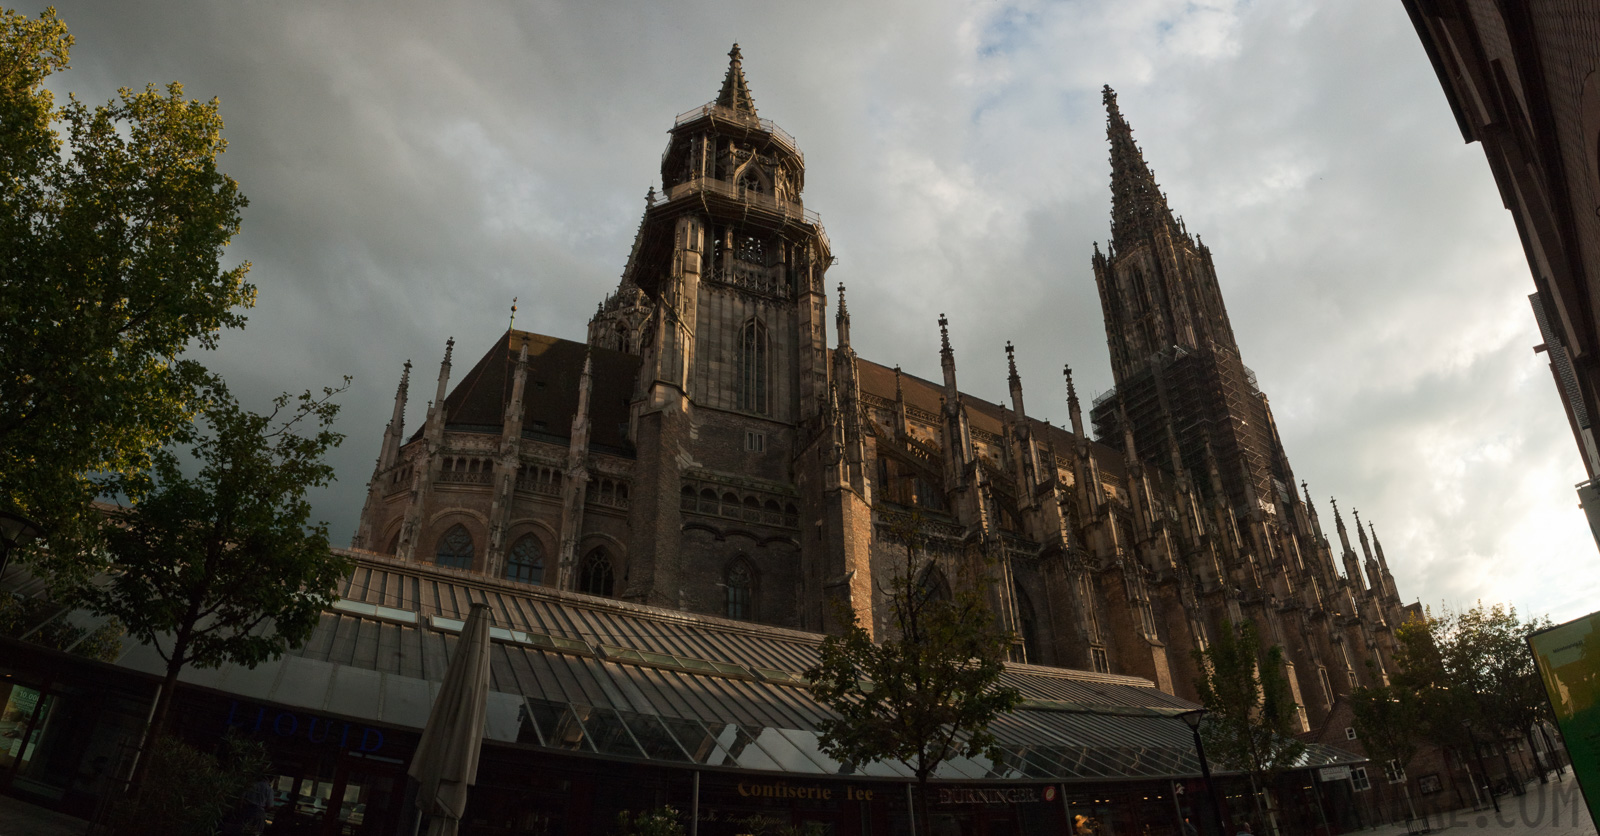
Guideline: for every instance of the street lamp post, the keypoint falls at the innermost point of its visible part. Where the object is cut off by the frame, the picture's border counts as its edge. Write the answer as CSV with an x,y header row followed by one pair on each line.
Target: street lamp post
x,y
15,531
1192,720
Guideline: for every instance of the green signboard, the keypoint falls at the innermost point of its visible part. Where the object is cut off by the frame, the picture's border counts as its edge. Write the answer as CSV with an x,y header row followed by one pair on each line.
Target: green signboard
x,y
1569,661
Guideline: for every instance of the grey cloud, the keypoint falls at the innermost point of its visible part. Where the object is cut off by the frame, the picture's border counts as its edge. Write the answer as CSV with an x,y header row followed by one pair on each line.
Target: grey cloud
x,y
412,167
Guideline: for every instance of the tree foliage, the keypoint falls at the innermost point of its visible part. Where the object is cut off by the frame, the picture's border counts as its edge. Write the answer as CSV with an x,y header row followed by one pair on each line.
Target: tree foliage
x,y
113,221
1471,674
1389,722
190,791
1252,716
222,566
928,692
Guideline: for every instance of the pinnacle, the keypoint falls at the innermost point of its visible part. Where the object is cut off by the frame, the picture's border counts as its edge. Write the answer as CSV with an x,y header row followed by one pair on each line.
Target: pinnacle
x,y
735,93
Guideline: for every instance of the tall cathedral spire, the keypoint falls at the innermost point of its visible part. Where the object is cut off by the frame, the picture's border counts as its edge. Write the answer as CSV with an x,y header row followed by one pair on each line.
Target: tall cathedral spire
x,y
735,93
1137,204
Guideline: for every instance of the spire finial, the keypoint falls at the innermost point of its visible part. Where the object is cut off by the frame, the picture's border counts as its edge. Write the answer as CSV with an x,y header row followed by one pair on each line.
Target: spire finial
x,y
944,334
843,320
513,324
1011,359
735,93
650,197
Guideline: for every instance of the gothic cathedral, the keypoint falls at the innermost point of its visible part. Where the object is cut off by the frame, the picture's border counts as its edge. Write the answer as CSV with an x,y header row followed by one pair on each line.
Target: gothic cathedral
x,y
708,451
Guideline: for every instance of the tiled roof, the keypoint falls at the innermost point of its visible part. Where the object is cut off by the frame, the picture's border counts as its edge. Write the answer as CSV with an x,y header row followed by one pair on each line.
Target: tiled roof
x,y
550,400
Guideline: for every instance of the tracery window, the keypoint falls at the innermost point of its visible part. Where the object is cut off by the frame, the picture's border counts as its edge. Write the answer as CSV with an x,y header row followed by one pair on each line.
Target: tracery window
x,y
752,367
455,548
526,561
595,577
740,580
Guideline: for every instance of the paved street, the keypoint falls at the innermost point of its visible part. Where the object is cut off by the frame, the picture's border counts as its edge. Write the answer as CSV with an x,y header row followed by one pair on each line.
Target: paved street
x,y
19,818
1553,809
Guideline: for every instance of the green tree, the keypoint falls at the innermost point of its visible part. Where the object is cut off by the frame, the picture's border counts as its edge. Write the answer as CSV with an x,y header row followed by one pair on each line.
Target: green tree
x,y
928,692
113,221
1388,720
1474,676
1252,718
221,566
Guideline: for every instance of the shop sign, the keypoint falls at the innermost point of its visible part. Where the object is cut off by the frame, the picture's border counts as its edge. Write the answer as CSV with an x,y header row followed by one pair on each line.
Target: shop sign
x,y
1334,773
784,789
998,795
319,730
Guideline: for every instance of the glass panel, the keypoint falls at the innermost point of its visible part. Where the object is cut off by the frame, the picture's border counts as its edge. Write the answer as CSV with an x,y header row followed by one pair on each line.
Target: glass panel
x,y
788,757
304,682
557,725
608,733
695,739
744,749
406,701
653,737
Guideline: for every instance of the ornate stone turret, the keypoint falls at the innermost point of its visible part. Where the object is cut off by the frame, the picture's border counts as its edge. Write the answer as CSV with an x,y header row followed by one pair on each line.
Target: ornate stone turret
x,y
427,470
575,479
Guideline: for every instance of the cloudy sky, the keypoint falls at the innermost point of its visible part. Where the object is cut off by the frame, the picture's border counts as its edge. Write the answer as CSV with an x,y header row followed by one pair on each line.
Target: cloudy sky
x,y
413,166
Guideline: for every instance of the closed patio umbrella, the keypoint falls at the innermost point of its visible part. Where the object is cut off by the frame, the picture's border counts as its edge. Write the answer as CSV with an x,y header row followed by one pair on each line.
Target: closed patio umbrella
x,y
446,762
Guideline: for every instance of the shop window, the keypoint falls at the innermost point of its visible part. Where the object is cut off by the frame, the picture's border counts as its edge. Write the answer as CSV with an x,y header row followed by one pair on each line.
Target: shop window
x,y
596,577
455,548
739,582
526,561
752,367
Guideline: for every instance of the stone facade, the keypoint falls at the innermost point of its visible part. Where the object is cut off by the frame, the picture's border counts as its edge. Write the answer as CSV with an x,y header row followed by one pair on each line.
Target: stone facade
x,y
708,450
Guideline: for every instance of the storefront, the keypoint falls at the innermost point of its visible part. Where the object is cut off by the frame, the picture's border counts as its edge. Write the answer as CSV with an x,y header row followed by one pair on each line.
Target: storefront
x,y
599,707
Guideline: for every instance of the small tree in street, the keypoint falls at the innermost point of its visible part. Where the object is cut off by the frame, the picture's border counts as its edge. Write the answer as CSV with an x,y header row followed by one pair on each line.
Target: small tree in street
x,y
221,566
925,694
1251,720
1388,720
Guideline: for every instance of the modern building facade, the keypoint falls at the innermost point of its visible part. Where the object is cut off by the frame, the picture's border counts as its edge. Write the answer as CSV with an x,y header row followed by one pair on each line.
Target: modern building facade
x,y
1523,80
714,449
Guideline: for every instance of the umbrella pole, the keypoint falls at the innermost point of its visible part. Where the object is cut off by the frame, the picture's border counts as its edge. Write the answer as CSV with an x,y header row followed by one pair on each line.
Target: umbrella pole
x,y
694,807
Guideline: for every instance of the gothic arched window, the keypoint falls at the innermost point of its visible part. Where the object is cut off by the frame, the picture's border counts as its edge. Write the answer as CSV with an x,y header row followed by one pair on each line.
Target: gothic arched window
x,y
740,581
455,548
932,586
595,577
1028,627
752,383
526,561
